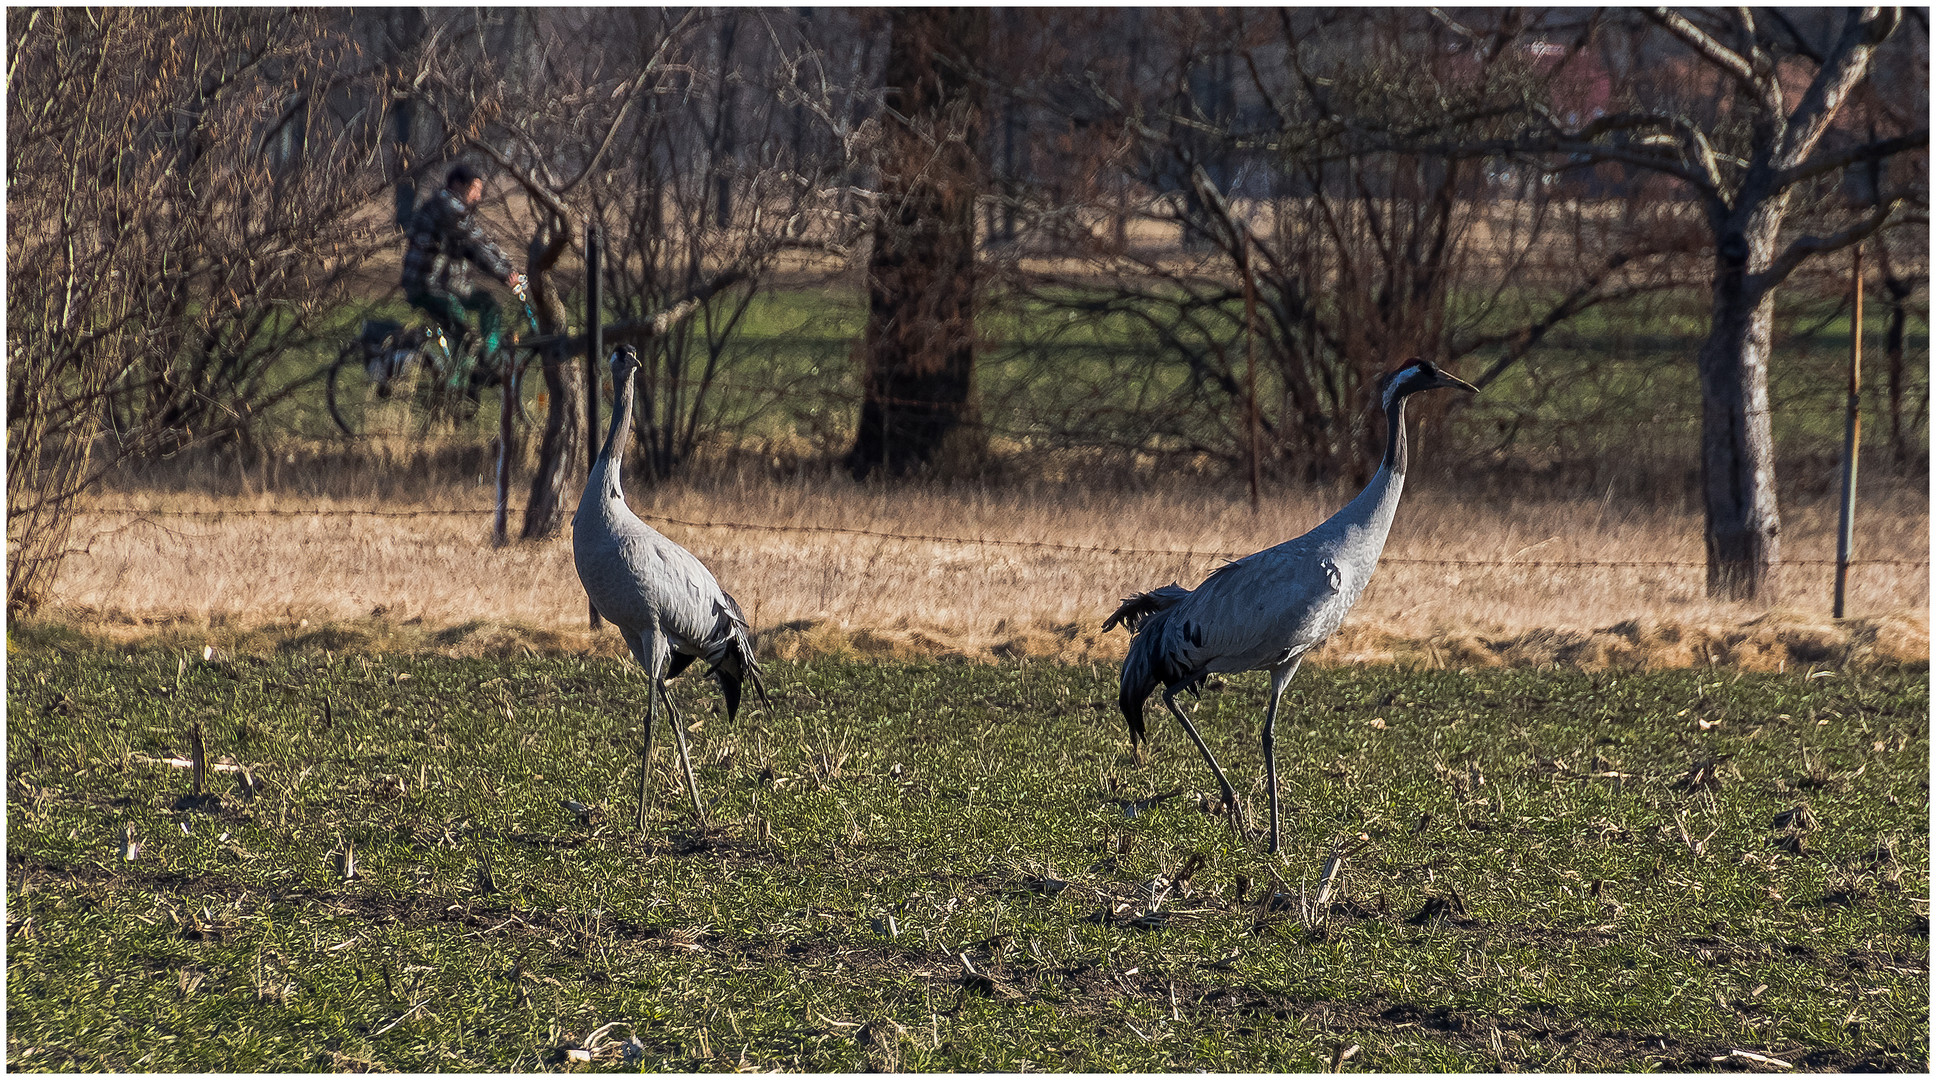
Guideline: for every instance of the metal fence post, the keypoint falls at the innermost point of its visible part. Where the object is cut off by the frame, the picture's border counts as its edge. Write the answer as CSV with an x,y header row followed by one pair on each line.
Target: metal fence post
x,y
1250,369
1851,441
507,391
594,345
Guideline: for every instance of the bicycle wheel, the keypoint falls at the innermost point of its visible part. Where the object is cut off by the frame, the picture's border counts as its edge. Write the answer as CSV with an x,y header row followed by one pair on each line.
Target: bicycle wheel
x,y
363,407
508,366
464,401
520,370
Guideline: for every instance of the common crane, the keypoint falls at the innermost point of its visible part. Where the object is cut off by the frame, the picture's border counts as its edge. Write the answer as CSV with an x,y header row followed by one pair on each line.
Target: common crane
x,y
664,601
1266,610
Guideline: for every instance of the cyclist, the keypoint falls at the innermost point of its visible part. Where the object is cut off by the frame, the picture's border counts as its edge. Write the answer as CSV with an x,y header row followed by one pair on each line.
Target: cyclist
x,y
444,238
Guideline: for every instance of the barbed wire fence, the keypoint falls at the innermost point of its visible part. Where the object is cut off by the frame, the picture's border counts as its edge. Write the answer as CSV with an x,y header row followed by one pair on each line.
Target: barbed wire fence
x,y
1084,416
961,541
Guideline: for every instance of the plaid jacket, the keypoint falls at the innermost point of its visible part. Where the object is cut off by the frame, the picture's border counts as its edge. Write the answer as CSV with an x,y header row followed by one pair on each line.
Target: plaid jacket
x,y
443,238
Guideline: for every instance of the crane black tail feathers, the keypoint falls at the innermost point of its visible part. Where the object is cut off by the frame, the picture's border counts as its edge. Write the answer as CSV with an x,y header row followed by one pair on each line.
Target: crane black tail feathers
x,y
1148,667
1141,606
736,666
1142,614
1140,678
734,671
1132,703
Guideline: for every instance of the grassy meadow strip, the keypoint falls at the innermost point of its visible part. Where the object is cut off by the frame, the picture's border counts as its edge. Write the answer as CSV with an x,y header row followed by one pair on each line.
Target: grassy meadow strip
x,y
422,863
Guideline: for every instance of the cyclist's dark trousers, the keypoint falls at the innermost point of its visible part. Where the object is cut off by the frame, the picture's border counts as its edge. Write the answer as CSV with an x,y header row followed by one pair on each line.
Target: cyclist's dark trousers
x,y
450,312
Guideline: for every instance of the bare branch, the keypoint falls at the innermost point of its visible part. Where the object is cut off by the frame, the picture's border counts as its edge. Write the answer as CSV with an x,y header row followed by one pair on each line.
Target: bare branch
x,y
1805,247
1848,62
1587,294
529,183
1561,143
1874,151
645,77
1471,37
1680,125
1729,61
1219,208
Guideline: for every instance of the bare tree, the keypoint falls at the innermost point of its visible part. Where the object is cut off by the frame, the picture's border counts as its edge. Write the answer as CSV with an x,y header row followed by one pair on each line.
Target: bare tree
x,y
918,366
650,123
185,200
1744,117
1902,254
1356,254
725,176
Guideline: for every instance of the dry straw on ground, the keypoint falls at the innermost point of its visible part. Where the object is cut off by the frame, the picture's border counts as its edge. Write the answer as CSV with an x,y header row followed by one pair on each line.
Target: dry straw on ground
x,y
434,581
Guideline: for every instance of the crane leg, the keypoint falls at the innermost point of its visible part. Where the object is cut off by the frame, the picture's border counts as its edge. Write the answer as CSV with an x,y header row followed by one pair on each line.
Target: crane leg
x,y
685,758
1280,678
645,756
1229,793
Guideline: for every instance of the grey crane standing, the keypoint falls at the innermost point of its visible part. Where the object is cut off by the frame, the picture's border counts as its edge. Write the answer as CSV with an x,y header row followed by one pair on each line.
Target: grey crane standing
x,y
663,600
1266,610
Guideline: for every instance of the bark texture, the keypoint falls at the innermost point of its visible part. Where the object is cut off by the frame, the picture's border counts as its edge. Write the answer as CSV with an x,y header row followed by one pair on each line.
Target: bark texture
x,y
562,450
1737,437
1746,210
918,367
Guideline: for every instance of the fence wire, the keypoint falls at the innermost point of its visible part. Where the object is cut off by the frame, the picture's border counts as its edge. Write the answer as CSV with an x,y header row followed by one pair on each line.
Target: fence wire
x,y
977,541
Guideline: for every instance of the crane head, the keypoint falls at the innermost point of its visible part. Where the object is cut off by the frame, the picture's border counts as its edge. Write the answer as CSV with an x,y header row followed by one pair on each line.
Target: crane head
x,y
1418,374
625,360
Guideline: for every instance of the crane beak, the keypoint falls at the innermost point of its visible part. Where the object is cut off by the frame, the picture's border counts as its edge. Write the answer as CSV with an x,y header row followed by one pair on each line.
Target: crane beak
x,y
1455,383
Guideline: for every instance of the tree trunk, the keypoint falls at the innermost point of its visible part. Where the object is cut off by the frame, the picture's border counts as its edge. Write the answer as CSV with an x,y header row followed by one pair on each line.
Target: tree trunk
x,y
726,136
1897,293
1737,439
563,446
918,375
406,26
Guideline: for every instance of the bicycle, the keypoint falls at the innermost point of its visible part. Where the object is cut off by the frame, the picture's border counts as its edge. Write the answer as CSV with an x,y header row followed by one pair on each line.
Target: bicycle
x,y
397,379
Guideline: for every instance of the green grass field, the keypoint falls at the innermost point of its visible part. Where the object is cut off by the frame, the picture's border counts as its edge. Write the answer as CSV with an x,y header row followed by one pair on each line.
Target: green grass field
x,y
1543,871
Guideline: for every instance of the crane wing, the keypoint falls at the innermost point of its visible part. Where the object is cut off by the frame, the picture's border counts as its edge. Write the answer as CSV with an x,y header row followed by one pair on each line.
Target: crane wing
x,y
1256,612
636,576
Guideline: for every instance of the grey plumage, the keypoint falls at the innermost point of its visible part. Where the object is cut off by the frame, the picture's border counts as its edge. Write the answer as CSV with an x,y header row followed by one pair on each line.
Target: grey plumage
x,y
1265,611
664,601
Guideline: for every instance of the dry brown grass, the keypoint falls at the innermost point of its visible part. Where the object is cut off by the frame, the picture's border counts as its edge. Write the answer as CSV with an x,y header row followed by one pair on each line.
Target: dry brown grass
x,y
436,582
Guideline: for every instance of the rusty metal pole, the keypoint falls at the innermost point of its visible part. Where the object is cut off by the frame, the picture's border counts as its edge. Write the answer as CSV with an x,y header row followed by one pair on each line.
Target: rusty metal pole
x,y
594,338
507,390
1851,442
1250,364
594,346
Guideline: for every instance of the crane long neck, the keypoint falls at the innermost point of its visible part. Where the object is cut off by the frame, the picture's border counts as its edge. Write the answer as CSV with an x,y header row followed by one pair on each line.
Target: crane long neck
x,y
617,438
1367,518
1396,456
